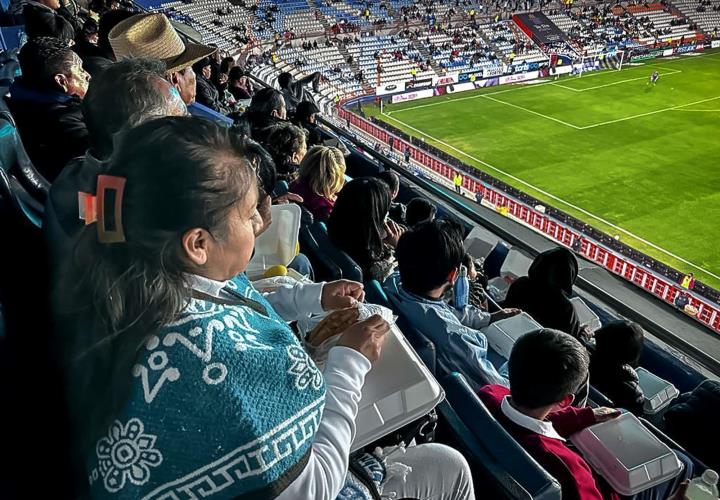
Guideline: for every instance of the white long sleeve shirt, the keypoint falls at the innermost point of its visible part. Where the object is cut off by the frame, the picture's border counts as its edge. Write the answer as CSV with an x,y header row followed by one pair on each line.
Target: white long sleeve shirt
x,y
345,371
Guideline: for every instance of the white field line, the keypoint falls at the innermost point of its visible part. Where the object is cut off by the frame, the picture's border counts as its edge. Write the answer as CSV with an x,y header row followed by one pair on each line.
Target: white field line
x,y
672,108
533,112
556,198
674,71
698,110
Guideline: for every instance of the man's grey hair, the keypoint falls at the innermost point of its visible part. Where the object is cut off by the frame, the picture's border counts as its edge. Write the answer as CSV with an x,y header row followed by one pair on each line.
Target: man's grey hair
x,y
125,94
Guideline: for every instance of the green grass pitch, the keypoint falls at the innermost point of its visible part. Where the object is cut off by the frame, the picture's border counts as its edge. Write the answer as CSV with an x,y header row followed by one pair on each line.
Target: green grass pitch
x,y
633,159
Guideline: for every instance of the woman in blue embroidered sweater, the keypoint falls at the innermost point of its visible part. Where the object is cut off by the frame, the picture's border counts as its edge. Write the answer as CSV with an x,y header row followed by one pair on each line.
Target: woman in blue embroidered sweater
x,y
184,381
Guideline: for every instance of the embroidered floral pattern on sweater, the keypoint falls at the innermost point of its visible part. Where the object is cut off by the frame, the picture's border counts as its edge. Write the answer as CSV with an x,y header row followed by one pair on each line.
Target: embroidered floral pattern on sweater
x,y
126,454
305,372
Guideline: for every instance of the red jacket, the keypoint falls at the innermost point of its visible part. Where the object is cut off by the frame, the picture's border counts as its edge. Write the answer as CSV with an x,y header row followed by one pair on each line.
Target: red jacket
x,y
576,478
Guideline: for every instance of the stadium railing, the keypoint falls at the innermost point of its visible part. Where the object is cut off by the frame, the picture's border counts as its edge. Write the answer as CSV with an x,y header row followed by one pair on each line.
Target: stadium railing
x,y
708,312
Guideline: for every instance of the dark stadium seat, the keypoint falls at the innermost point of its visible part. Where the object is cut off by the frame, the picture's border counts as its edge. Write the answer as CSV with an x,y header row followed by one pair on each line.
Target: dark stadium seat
x,y
15,159
22,189
492,452
323,267
494,260
348,268
422,345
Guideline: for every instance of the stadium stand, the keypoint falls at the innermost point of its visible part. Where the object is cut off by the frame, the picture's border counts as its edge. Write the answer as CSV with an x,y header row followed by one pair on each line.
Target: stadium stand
x,y
300,37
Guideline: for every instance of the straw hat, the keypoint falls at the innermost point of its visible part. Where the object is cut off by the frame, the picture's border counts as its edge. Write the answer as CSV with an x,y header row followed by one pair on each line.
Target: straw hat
x,y
152,35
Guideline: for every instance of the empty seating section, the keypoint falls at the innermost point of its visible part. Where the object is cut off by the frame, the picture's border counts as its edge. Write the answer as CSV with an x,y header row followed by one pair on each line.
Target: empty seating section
x,y
328,61
204,16
656,25
705,14
373,51
465,50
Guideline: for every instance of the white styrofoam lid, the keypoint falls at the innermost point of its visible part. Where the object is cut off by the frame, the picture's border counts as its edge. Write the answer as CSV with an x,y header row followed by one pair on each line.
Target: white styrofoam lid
x,y
586,316
503,334
277,245
480,242
398,390
515,264
658,392
627,454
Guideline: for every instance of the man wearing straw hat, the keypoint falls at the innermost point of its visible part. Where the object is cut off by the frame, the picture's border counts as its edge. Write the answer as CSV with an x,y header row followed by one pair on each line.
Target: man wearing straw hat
x,y
152,36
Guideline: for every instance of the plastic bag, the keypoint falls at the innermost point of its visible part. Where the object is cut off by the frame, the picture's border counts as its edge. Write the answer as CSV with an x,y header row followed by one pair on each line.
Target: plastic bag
x,y
319,353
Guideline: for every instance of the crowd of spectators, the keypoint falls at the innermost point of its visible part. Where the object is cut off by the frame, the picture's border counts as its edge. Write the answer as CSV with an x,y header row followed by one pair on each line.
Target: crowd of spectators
x,y
173,160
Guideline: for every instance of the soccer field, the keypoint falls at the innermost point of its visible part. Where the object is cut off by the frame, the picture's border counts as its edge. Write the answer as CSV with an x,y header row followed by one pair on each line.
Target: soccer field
x,y
633,159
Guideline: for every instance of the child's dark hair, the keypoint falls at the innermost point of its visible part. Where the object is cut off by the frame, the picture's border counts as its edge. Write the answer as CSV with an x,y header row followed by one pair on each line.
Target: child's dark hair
x,y
419,210
180,173
545,366
427,254
621,341
391,179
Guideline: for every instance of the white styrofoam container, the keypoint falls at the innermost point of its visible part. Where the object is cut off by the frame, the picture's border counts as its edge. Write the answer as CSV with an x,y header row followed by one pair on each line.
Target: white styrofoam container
x,y
586,316
277,245
398,390
480,242
516,264
502,334
626,454
658,392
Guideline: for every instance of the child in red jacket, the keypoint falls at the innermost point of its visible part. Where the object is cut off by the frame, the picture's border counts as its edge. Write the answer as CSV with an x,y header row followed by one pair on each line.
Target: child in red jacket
x,y
547,368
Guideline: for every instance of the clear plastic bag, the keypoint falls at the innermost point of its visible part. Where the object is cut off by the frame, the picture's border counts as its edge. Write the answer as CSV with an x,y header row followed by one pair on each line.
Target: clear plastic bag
x,y
319,353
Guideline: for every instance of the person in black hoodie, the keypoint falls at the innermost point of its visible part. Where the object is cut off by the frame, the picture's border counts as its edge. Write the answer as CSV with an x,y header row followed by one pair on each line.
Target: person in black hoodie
x,y
618,346
545,292
49,18
46,104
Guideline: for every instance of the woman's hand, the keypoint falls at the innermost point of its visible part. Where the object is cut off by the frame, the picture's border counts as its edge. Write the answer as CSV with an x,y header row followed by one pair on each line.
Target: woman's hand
x,y
341,294
392,233
366,337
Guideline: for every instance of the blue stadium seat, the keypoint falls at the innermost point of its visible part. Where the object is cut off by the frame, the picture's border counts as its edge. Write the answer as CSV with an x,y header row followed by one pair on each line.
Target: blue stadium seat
x,y
348,268
22,188
422,345
494,260
324,268
375,294
491,450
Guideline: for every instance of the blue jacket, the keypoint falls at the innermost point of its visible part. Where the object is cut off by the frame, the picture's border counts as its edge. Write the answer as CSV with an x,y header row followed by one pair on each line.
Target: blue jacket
x,y
459,344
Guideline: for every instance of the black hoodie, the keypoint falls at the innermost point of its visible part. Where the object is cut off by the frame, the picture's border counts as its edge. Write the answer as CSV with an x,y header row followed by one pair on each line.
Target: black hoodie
x,y
545,292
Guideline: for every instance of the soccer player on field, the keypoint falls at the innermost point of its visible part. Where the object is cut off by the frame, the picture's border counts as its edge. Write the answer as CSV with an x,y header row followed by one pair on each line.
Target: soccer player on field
x,y
654,77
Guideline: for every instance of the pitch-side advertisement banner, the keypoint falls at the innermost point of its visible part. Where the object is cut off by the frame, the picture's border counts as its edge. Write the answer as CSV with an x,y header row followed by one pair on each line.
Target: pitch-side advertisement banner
x,y
411,96
390,88
518,78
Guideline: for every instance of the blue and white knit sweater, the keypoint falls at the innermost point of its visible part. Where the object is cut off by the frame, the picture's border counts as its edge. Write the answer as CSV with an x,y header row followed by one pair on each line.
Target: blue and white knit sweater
x,y
225,402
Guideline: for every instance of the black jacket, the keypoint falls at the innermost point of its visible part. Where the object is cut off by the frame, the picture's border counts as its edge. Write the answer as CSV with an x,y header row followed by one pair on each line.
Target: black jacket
x,y
51,126
693,419
207,95
545,292
295,93
617,381
41,20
